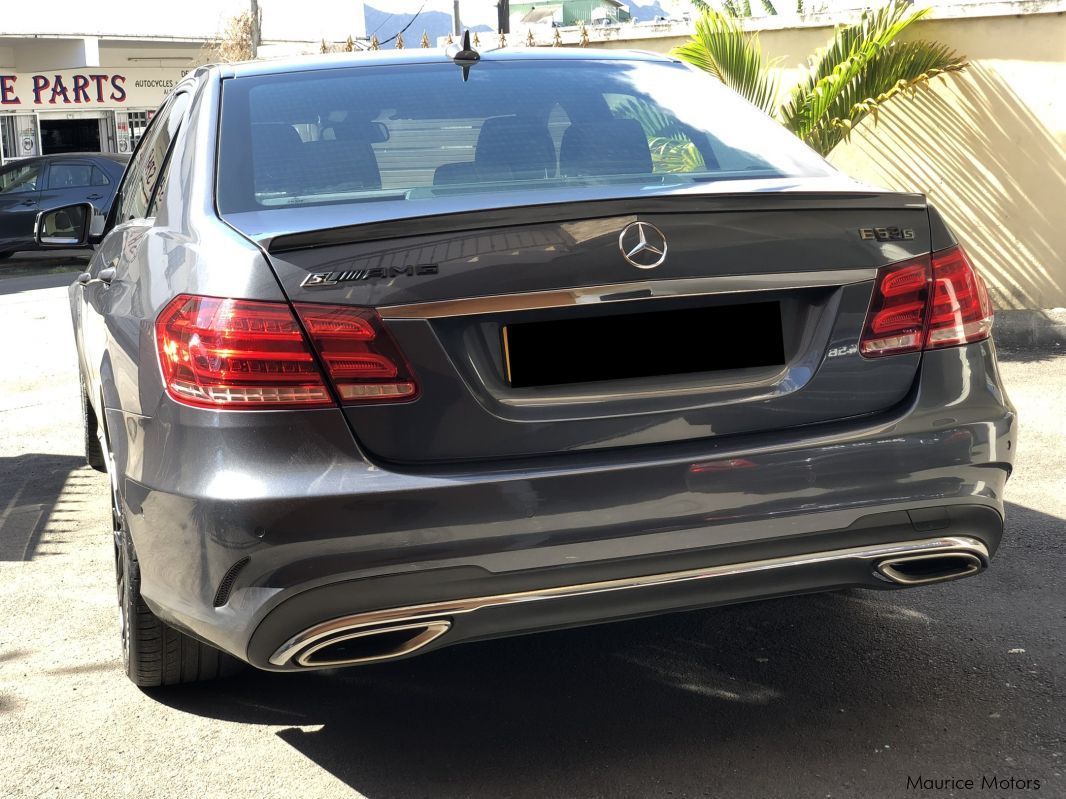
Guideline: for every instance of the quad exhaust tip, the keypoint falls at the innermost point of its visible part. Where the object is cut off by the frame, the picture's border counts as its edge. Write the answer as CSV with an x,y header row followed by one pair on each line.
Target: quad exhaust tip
x,y
930,568
368,646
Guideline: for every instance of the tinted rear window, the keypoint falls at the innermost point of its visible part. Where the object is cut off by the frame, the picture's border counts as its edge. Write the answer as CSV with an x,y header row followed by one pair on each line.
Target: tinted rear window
x,y
418,132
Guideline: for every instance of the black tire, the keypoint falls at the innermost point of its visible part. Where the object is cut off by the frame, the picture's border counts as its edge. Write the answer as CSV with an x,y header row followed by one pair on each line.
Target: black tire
x,y
154,654
94,453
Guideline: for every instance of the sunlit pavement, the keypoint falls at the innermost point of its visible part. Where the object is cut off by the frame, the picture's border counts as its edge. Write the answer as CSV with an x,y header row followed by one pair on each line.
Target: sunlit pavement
x,y
841,695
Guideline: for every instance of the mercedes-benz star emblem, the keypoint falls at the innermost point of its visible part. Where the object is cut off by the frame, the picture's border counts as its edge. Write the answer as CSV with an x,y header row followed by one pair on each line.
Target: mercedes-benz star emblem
x,y
642,244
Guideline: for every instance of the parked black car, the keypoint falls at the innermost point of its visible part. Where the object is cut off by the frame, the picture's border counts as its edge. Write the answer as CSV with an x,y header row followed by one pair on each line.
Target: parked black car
x,y
32,184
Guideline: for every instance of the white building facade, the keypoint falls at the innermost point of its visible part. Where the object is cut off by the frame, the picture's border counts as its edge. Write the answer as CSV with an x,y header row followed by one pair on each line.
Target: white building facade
x,y
87,77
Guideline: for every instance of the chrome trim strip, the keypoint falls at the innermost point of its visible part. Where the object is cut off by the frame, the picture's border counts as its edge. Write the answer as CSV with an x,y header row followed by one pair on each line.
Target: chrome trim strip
x,y
329,631
617,292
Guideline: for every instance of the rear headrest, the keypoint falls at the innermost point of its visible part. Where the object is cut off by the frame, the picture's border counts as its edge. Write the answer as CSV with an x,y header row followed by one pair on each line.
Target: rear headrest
x,y
617,147
512,148
266,137
344,162
455,174
283,162
275,150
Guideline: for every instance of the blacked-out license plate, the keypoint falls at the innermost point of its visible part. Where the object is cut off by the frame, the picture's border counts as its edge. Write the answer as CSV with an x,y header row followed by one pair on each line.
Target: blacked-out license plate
x,y
626,346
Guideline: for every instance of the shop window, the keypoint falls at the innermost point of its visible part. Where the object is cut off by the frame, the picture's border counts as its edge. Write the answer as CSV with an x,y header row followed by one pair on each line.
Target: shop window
x,y
138,121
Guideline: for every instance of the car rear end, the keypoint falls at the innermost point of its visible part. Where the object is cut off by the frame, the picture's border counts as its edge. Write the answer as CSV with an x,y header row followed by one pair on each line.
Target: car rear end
x,y
555,349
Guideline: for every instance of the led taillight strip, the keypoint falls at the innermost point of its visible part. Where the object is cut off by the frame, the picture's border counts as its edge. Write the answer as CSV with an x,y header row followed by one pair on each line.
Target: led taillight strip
x,y
928,302
246,354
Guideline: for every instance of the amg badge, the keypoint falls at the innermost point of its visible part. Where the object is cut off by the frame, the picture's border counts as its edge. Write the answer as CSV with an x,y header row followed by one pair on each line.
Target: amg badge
x,y
327,279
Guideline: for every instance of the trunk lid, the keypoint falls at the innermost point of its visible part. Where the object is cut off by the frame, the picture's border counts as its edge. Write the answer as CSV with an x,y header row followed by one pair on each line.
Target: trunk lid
x,y
765,293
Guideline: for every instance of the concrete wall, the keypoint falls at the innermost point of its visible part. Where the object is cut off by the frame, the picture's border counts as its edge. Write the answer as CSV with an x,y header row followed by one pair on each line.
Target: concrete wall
x,y
988,146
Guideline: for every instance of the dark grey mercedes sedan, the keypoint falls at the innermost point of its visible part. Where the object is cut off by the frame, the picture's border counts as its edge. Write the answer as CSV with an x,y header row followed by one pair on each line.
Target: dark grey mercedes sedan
x,y
387,352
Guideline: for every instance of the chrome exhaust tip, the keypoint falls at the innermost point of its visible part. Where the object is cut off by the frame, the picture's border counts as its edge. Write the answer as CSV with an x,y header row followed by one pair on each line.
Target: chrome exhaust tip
x,y
935,567
367,646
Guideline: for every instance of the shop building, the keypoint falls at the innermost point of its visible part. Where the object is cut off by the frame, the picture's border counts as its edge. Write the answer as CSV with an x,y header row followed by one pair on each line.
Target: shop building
x,y
91,82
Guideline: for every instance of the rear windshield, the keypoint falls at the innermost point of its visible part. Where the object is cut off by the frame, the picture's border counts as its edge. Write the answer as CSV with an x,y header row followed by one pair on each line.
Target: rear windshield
x,y
419,132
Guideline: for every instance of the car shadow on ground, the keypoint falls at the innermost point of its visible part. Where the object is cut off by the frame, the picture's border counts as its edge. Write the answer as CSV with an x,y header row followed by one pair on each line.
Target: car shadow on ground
x,y
875,684
41,270
39,492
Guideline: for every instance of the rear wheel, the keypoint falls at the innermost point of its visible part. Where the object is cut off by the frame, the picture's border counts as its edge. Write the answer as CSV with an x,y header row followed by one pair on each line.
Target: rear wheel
x,y
154,654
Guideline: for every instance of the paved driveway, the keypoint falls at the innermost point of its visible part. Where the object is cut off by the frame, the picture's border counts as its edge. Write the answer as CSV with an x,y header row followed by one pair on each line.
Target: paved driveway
x,y
842,695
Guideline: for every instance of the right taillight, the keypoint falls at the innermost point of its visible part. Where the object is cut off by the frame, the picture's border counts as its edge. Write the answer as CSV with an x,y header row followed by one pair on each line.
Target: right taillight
x,y
902,318
962,311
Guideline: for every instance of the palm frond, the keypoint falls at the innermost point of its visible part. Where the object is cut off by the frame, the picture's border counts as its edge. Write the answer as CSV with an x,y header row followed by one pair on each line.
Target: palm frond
x,y
861,68
672,155
721,47
655,122
671,148
899,68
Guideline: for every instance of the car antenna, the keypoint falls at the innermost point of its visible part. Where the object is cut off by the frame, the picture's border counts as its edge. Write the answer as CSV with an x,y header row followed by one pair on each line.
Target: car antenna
x,y
466,56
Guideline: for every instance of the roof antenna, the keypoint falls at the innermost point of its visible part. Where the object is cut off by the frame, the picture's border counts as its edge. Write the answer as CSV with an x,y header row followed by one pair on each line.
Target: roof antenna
x,y
465,57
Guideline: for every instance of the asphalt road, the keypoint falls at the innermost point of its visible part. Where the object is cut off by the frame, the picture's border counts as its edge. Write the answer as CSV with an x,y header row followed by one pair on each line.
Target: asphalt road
x,y
838,695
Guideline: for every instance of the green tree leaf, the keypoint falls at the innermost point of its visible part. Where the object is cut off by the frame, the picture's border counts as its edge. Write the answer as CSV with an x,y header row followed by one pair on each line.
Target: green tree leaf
x,y
861,68
720,46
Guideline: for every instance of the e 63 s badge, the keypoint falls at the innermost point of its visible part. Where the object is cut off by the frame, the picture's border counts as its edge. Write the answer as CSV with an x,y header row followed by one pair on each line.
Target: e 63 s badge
x,y
886,233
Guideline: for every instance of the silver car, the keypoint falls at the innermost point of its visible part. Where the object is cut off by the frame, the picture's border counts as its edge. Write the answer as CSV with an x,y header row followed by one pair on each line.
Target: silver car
x,y
386,352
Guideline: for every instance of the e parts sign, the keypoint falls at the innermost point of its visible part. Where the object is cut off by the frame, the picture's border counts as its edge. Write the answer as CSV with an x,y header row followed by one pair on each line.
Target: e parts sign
x,y
87,89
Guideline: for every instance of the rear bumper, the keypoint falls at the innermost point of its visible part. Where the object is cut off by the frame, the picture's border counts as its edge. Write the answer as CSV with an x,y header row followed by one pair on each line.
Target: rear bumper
x,y
390,633
317,543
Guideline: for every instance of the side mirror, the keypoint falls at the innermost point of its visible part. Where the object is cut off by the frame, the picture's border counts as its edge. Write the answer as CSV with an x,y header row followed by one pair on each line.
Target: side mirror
x,y
67,226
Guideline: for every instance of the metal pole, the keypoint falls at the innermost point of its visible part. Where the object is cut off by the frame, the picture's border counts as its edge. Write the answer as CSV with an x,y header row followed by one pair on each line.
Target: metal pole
x,y
456,22
256,20
503,15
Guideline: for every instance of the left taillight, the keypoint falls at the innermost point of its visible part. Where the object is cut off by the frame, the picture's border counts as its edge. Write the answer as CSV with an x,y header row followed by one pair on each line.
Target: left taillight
x,y
245,354
362,358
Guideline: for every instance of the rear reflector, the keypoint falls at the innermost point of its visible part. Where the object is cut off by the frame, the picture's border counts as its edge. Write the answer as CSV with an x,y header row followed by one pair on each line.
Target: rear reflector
x,y
900,318
241,354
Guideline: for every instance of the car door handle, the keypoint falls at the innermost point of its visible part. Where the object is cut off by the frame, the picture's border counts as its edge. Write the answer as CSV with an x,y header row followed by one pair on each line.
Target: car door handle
x,y
93,196
28,202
